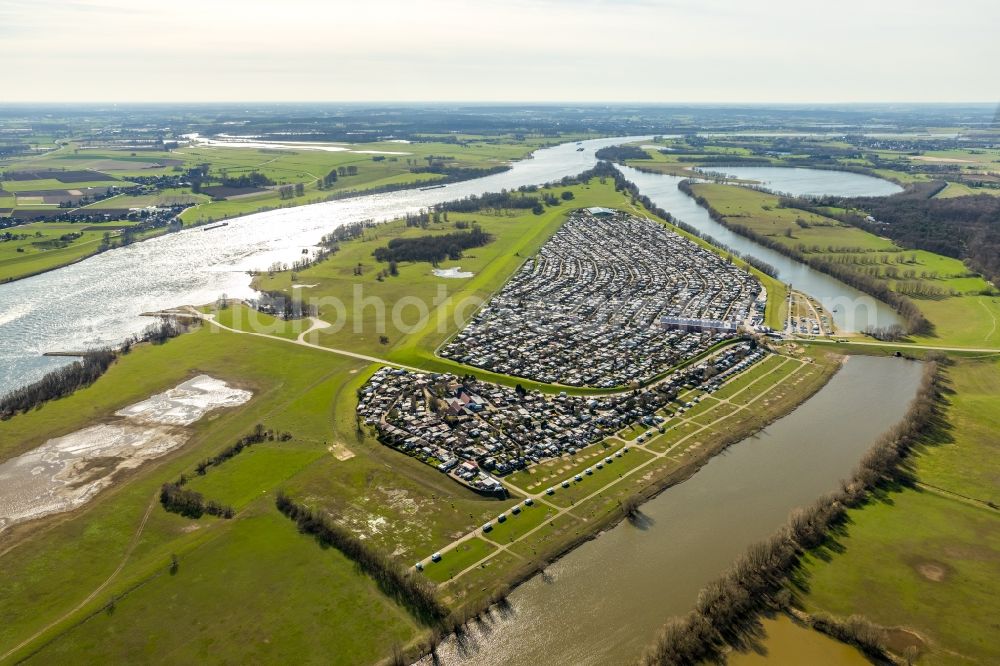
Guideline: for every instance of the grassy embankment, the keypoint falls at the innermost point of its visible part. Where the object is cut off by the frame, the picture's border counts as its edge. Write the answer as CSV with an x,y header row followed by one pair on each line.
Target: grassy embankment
x,y
399,504
924,559
961,316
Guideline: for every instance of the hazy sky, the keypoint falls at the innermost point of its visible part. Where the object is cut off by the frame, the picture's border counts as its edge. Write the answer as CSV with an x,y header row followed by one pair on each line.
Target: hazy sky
x,y
516,50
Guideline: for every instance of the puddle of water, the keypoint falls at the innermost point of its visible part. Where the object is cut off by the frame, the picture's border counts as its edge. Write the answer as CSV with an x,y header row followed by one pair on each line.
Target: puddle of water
x,y
67,472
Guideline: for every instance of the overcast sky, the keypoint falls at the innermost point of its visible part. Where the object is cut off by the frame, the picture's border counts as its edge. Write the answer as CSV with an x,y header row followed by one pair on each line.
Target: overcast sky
x,y
510,50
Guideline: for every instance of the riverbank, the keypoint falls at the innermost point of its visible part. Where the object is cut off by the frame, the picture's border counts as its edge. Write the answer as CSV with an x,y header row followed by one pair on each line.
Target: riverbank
x,y
575,518
603,602
729,610
915,321
924,553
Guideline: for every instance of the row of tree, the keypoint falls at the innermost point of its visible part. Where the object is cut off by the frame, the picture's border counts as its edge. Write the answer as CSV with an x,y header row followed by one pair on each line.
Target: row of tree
x,y
408,588
966,228
432,248
727,613
175,498
258,435
82,373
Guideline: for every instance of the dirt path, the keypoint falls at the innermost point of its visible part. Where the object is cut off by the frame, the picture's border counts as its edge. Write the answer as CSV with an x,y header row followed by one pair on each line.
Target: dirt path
x,y
315,324
100,588
993,317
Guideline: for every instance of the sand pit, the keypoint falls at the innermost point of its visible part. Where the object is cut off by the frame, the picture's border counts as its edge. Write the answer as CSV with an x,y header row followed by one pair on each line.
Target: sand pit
x,y
455,272
68,471
185,403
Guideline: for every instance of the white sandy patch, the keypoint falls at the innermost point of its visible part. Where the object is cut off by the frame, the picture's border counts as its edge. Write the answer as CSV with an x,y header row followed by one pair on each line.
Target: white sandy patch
x,y
455,272
66,472
341,452
186,403
304,286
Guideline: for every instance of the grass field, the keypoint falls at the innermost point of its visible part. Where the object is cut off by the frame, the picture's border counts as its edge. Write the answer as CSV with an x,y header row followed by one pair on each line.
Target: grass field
x,y
43,248
926,558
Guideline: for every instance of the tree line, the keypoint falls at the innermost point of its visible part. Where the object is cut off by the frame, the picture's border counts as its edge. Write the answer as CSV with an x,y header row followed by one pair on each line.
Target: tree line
x,y
498,201
728,610
258,435
406,587
82,373
966,228
432,248
175,498
907,309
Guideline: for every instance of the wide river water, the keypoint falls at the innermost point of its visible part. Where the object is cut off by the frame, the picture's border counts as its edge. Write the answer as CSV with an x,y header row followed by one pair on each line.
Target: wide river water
x,y
97,302
604,602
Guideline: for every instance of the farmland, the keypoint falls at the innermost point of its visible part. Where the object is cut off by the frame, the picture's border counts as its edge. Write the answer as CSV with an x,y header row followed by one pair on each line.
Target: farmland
x,y
955,300
86,186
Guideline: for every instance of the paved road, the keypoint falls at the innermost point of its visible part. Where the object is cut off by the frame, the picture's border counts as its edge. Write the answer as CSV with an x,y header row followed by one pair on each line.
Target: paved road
x,y
906,345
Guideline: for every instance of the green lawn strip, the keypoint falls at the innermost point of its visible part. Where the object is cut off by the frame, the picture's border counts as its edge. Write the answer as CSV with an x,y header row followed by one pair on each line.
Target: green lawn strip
x,y
516,525
718,411
607,503
458,559
744,379
589,483
674,433
551,536
538,477
770,379
919,561
263,594
479,583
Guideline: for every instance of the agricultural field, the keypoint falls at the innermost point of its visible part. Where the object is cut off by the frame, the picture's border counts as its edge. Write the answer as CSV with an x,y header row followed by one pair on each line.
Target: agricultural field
x,y
74,179
29,249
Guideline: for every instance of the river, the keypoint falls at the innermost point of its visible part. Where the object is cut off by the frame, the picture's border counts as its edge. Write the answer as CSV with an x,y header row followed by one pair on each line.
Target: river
x,y
852,310
805,182
604,602
97,302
